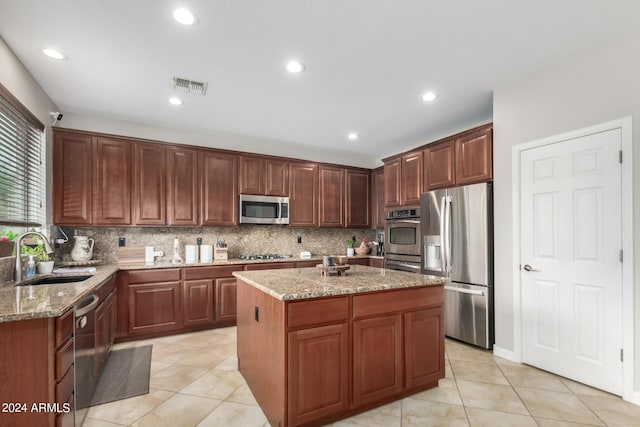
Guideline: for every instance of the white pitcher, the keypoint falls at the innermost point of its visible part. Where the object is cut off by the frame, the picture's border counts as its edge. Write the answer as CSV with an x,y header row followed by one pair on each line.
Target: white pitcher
x,y
83,249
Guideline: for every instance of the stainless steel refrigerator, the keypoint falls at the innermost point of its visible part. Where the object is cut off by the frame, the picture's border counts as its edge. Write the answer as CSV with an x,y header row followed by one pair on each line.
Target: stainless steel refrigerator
x,y
457,242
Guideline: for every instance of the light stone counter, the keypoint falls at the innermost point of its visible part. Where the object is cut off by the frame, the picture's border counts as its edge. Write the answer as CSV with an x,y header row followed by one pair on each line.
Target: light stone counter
x,y
31,302
303,283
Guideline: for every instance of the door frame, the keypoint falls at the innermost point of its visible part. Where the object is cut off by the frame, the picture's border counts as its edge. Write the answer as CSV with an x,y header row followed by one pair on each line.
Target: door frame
x,y
625,126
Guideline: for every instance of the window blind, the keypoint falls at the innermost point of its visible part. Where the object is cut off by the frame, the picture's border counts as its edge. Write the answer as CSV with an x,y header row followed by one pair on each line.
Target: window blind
x,y
22,179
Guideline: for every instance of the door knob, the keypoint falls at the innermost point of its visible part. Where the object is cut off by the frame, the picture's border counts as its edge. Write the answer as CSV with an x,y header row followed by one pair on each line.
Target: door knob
x,y
527,267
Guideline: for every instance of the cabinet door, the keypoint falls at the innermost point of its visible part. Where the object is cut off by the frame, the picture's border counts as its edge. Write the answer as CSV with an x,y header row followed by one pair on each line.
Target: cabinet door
x,y
219,188
439,165
154,307
474,157
252,175
303,194
358,261
423,347
375,262
331,196
392,180
149,200
318,367
377,358
377,199
411,178
72,179
197,297
182,186
112,182
113,318
277,178
226,299
358,199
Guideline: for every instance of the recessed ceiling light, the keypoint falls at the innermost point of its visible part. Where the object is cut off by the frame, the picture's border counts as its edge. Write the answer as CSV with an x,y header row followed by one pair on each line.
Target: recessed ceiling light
x,y
175,101
295,67
184,16
429,96
352,136
52,53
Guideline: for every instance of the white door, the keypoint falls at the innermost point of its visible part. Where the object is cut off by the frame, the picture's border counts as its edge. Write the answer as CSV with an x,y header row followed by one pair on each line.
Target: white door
x,y
571,217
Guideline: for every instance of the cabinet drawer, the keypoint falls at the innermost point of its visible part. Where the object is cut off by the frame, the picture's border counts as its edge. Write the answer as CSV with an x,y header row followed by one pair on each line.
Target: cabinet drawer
x,y
64,359
64,388
218,272
64,327
318,311
270,265
66,419
395,301
154,276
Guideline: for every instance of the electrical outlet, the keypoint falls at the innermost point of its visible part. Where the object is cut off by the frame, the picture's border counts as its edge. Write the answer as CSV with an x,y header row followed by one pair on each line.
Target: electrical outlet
x,y
299,239
353,238
199,240
122,242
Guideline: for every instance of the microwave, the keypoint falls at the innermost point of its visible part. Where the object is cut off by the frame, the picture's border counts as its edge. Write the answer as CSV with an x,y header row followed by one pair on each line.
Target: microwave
x,y
263,209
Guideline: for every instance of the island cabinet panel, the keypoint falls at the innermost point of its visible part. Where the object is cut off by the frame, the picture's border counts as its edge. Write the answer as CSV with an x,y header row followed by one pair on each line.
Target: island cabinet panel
x,y
226,299
331,196
377,358
474,157
303,194
392,182
154,307
112,181
318,367
376,303
423,346
377,198
439,165
313,312
219,188
358,206
72,178
149,190
198,302
183,186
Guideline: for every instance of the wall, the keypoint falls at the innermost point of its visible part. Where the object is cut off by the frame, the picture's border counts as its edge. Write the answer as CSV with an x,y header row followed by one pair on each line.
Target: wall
x,y
243,239
17,79
592,88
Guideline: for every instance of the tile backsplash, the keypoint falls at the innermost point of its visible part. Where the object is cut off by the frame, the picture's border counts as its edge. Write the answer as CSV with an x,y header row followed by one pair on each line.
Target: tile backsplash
x,y
243,239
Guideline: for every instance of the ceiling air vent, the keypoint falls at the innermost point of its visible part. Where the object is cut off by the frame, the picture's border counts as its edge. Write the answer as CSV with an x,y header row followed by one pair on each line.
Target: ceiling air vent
x,y
190,86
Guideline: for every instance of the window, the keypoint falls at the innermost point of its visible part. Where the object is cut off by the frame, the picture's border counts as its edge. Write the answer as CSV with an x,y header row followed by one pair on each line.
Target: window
x,y
22,166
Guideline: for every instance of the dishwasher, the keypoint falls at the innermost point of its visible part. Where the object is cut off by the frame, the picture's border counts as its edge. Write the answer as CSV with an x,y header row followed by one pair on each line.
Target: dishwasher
x,y
86,377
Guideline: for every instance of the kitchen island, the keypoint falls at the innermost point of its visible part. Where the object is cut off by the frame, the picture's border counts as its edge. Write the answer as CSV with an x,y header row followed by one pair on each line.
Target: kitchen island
x,y
314,350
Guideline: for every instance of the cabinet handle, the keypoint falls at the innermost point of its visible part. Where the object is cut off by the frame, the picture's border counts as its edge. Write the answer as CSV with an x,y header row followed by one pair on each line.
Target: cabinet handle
x,y
256,313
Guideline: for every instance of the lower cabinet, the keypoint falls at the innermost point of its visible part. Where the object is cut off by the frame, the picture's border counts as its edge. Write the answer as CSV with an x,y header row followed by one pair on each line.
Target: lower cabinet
x,y
155,307
423,346
318,369
226,299
198,302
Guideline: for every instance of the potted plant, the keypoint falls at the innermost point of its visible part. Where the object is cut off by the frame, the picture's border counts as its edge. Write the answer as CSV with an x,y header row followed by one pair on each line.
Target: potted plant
x,y
350,250
44,263
7,244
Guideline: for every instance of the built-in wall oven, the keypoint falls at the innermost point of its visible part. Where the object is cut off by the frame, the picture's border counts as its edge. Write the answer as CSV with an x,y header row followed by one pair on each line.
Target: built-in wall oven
x,y
403,240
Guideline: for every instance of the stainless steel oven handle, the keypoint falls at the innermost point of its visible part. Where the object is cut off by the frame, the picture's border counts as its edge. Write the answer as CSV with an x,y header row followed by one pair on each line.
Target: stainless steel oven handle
x,y
95,299
464,291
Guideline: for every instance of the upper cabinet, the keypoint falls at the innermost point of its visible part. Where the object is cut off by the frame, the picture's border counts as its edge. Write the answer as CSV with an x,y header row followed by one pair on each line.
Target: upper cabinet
x,y
331,196
149,184
474,154
439,165
112,181
403,180
392,182
377,198
303,194
182,186
219,183
72,189
263,176
358,200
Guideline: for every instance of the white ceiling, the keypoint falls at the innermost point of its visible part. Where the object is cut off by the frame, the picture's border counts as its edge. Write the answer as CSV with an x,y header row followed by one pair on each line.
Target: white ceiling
x,y
368,62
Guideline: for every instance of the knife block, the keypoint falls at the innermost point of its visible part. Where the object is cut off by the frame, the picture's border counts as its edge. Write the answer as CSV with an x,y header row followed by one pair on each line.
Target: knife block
x,y
220,254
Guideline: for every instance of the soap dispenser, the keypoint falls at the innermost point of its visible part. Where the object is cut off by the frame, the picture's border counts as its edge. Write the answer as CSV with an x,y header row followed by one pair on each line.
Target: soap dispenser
x,y
31,267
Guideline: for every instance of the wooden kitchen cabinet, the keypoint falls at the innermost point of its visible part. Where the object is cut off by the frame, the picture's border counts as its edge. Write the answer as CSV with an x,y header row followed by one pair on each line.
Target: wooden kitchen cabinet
x,y
376,262
149,188
377,198
219,188
474,157
154,301
392,182
331,192
269,265
358,199
439,165
423,352
303,194
182,186
226,299
112,181
411,178
277,177
198,300
263,176
72,178
318,368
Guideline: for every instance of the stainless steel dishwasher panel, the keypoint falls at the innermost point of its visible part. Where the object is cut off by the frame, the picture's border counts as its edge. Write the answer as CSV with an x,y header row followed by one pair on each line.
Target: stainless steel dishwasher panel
x,y
467,312
84,358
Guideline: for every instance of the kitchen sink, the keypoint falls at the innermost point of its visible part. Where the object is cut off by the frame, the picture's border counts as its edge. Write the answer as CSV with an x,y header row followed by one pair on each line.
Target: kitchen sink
x,y
54,280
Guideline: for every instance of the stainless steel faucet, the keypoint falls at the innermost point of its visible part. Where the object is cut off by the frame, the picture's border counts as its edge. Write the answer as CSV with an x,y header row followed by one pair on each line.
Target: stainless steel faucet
x,y
47,248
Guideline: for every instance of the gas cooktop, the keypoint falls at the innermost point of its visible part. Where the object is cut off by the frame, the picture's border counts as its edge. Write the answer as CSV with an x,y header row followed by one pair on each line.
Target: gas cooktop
x,y
264,256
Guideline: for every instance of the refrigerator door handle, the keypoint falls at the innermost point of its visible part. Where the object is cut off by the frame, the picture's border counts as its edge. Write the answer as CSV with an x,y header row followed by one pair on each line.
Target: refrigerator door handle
x,y
443,249
464,291
447,227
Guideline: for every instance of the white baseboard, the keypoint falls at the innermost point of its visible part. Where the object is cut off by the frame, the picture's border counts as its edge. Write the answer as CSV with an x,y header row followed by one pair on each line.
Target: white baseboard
x,y
505,354
634,397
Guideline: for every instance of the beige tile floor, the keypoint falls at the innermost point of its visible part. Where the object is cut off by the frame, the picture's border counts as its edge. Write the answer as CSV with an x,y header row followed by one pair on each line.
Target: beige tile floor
x,y
195,382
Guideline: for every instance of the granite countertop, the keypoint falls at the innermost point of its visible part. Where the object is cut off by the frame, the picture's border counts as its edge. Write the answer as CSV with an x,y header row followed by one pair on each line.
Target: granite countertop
x,y
31,302
302,283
